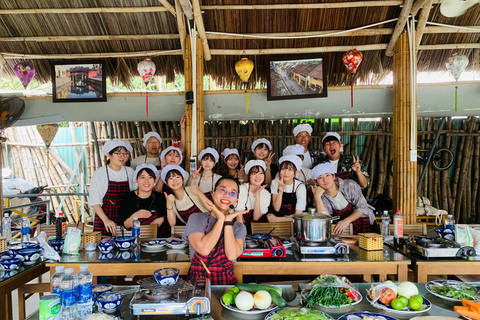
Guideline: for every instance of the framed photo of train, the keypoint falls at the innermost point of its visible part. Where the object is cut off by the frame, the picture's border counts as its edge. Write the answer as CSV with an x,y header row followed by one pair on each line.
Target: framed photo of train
x,y
79,81
297,77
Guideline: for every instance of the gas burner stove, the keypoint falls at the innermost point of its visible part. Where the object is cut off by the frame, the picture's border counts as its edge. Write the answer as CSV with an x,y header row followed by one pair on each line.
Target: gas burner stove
x,y
310,251
439,248
258,248
180,298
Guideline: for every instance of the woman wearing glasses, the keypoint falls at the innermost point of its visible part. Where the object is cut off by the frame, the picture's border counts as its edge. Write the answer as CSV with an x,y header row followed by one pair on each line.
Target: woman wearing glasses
x,y
217,240
108,186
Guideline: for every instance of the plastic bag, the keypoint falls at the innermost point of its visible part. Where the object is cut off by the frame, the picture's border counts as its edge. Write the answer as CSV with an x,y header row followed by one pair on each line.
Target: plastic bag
x,y
48,251
72,241
380,290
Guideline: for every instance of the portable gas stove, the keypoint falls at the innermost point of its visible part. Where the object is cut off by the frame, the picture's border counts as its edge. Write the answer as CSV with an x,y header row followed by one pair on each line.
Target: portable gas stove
x,y
179,298
258,248
310,251
439,248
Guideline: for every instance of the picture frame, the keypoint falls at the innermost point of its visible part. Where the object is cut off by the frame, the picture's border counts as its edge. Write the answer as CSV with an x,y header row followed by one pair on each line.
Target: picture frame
x,y
79,81
297,77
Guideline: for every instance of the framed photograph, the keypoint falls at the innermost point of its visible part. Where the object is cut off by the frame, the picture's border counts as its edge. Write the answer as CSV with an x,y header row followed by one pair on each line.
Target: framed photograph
x,y
297,77
79,81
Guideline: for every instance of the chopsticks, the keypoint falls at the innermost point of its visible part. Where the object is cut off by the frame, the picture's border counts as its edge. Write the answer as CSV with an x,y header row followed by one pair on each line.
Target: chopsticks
x,y
203,264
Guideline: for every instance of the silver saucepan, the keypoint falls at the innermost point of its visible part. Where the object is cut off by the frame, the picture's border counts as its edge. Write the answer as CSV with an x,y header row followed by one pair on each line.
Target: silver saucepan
x,y
312,226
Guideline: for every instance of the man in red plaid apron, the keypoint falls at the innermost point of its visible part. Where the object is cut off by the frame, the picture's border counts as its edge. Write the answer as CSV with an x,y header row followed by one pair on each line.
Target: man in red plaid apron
x,y
342,198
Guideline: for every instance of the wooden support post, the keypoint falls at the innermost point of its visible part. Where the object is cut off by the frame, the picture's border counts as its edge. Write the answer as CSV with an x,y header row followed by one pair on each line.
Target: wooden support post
x,y
199,97
405,171
188,107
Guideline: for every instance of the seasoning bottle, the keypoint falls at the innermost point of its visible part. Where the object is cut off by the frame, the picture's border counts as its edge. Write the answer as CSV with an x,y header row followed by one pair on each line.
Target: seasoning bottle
x,y
398,225
450,222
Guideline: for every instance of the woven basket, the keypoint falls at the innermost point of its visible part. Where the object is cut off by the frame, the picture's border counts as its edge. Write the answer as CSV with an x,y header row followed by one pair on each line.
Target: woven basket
x,y
370,241
3,244
374,255
94,236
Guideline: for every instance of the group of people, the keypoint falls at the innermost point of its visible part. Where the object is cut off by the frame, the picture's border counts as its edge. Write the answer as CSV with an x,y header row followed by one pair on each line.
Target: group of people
x,y
217,209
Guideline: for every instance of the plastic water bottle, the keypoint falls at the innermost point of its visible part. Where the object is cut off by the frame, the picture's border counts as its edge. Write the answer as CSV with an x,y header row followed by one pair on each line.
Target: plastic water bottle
x,y
85,298
7,227
25,230
57,276
136,230
450,222
68,297
385,225
398,225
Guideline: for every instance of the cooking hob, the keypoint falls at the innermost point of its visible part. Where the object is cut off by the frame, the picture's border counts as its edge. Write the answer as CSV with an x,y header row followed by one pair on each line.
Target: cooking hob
x,y
181,298
321,251
439,248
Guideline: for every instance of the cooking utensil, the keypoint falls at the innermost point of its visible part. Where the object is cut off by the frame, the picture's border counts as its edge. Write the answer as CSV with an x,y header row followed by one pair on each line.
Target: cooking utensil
x,y
312,226
271,231
123,233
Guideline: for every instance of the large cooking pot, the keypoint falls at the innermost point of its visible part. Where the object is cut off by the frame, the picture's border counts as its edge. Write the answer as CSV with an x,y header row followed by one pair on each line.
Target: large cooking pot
x,y
312,226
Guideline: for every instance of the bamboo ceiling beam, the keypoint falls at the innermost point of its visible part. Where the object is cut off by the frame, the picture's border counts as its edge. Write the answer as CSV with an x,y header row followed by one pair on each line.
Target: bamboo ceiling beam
x,y
402,20
326,34
419,4
92,38
182,30
168,6
187,8
459,29
9,55
197,14
449,46
237,52
422,22
85,10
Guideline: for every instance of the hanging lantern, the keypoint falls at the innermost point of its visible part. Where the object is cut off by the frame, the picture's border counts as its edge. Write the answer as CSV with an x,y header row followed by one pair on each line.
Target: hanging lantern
x,y
47,132
25,71
146,69
244,68
456,64
352,60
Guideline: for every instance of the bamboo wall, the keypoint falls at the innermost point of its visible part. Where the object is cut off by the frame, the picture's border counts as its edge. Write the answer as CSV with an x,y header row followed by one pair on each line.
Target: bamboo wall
x,y
456,190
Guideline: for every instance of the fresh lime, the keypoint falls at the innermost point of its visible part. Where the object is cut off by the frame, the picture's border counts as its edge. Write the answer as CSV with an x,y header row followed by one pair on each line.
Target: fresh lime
x,y
397,304
404,300
417,297
227,298
414,304
235,289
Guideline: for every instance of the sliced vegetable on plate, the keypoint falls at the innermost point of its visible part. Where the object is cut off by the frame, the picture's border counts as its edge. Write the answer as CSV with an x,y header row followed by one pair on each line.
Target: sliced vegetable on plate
x,y
330,291
453,290
297,313
469,309
365,316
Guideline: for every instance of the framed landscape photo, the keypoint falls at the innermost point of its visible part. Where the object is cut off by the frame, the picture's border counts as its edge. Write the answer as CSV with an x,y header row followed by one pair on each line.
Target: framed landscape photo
x,y
79,81
297,77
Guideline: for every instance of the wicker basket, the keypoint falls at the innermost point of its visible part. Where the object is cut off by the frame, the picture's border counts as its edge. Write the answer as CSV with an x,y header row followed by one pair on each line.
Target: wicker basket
x,y
94,236
374,255
3,244
370,241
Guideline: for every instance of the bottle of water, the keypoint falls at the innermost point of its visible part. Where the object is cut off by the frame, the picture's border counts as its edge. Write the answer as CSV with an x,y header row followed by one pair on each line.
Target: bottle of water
x,y
68,297
57,276
450,222
398,225
136,230
85,299
25,230
385,225
7,227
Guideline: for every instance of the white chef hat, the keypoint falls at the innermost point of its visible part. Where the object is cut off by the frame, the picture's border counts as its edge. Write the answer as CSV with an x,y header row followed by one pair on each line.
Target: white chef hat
x,y
253,163
211,151
227,151
170,167
128,146
112,144
149,135
332,134
145,166
302,127
322,168
167,150
296,149
259,141
297,162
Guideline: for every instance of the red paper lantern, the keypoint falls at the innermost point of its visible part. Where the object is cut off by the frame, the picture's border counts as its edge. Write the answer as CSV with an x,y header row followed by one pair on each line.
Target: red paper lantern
x,y
352,60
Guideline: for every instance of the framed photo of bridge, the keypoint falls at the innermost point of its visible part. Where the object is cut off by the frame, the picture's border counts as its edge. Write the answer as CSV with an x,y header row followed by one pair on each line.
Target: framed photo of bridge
x,y
297,77
79,81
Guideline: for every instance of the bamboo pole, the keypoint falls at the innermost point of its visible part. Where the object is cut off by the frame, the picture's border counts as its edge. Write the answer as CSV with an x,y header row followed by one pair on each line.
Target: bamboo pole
x,y
399,27
84,10
422,22
197,14
239,52
141,37
133,54
182,31
188,73
169,7
199,91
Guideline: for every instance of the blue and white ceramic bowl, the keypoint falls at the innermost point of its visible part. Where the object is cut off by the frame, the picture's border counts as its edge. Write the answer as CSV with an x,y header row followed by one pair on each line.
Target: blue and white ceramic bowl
x,y
6,255
176,244
10,264
106,256
57,244
30,255
105,246
30,244
109,302
13,249
100,289
166,276
124,243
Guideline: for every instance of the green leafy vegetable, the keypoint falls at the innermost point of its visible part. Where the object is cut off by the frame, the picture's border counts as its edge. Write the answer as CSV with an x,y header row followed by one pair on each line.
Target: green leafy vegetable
x,y
329,290
296,314
456,291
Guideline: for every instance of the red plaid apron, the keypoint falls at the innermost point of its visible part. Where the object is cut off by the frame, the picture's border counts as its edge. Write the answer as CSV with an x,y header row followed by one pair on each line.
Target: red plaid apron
x,y
164,231
360,225
111,203
289,201
221,269
185,214
208,194
343,175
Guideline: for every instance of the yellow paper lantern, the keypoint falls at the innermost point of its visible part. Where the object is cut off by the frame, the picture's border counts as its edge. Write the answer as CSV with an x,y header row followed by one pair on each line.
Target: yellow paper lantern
x,y
244,69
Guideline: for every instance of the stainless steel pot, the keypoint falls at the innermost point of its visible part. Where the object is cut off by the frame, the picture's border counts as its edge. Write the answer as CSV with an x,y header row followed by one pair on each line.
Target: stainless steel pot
x,y
312,226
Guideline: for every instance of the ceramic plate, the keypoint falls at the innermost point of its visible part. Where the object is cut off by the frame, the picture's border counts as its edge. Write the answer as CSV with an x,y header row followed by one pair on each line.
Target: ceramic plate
x,y
154,242
468,318
427,305
252,311
430,284
177,245
287,243
153,249
271,314
360,315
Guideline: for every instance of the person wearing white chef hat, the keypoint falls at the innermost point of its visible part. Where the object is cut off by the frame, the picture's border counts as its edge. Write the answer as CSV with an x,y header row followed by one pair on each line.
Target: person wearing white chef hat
x,y
262,150
303,136
204,177
170,156
108,186
231,164
342,198
303,174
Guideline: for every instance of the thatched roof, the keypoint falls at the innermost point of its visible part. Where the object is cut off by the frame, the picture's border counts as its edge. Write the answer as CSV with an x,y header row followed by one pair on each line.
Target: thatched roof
x,y
157,29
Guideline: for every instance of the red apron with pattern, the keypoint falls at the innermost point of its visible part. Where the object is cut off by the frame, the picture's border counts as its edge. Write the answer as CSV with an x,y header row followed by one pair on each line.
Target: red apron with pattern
x,y
164,231
221,269
111,203
289,202
360,225
343,175
207,194
185,214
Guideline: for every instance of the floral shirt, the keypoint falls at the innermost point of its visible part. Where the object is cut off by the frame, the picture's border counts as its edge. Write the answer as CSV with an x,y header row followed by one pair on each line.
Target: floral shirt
x,y
345,164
